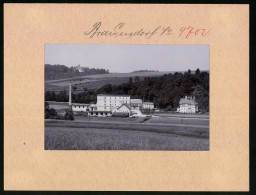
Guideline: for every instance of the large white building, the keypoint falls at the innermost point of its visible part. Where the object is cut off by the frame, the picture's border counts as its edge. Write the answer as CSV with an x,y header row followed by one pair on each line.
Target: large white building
x,y
111,102
187,105
108,104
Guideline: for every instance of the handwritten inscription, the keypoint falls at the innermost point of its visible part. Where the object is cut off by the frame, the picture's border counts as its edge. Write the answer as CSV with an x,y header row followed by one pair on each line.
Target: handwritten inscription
x,y
188,31
120,31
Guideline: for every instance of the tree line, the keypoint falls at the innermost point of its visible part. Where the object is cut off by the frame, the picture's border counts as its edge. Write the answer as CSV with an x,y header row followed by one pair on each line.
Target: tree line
x,y
55,72
164,91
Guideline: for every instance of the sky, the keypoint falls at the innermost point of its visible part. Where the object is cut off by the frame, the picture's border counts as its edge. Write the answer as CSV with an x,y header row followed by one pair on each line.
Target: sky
x,y
129,57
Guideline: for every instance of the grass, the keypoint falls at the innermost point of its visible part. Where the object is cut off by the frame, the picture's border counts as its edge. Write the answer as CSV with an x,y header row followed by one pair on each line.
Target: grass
x,y
66,138
158,120
97,81
175,114
186,121
174,129
109,119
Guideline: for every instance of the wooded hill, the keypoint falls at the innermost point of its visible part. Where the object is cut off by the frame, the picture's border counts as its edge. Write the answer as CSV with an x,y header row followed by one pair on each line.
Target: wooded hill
x,y
54,72
165,91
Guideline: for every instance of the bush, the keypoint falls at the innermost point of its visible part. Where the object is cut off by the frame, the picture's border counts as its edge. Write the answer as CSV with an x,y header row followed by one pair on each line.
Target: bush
x,y
50,113
69,115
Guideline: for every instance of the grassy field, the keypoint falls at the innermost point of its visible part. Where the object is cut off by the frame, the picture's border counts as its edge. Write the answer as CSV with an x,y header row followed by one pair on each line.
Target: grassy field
x,y
175,114
109,119
177,120
152,120
97,81
66,138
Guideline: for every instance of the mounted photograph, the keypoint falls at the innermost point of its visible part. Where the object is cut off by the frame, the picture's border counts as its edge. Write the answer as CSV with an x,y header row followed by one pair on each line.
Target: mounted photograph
x,y
126,97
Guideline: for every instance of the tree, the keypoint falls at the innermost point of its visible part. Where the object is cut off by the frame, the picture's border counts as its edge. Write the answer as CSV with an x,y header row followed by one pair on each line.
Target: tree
x,y
137,79
74,88
69,115
49,113
130,80
165,91
197,71
202,97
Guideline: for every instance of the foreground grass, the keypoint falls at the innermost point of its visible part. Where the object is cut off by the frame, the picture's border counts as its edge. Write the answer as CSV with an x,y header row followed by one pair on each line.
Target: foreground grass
x,y
66,138
186,121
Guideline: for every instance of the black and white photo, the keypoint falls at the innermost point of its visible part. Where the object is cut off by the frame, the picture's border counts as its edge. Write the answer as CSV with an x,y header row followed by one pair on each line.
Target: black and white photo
x,y
126,97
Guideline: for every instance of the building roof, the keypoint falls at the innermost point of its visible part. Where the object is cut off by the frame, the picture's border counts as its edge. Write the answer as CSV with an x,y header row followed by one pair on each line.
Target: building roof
x,y
80,104
136,101
127,105
148,103
188,101
113,95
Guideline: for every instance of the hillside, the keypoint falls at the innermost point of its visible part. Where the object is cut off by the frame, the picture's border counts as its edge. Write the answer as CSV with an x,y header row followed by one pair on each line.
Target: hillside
x,y
97,81
55,72
164,90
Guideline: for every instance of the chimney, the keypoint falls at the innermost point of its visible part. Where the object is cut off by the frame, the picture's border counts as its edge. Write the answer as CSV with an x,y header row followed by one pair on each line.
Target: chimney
x,y
70,94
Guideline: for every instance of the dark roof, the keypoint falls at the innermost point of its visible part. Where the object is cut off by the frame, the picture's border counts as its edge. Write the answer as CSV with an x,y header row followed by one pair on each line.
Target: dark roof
x,y
127,105
187,101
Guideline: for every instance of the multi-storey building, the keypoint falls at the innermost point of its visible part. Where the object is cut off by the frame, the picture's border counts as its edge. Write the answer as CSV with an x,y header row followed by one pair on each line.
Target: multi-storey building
x,y
111,102
187,105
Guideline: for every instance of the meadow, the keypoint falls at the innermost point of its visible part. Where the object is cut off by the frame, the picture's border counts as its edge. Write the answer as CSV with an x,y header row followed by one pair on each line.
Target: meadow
x,y
179,120
65,138
97,81
123,135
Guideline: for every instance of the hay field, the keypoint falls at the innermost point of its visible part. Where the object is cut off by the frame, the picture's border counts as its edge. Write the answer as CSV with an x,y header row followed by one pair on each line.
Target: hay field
x,y
122,135
65,138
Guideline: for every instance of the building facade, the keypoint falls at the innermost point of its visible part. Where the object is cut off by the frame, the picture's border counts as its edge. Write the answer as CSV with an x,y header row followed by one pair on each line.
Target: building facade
x,y
188,105
136,104
124,108
108,104
148,105
81,107
111,102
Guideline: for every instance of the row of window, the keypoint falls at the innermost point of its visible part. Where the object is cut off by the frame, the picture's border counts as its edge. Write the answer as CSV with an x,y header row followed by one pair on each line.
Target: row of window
x,y
117,98
81,106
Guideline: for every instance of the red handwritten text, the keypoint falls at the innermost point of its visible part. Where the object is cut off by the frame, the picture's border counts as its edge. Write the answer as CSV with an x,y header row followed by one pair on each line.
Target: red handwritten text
x,y
188,31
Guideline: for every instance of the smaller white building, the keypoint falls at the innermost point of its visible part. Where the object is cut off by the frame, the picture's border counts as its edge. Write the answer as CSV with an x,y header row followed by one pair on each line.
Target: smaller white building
x,y
148,105
79,68
188,105
136,104
81,107
124,108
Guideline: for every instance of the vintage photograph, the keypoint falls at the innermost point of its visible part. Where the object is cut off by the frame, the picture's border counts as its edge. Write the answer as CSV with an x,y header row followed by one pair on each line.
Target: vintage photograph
x,y
126,97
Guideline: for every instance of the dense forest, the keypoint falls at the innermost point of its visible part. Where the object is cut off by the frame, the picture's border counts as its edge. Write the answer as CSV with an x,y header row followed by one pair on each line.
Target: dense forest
x,y
165,91
54,72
